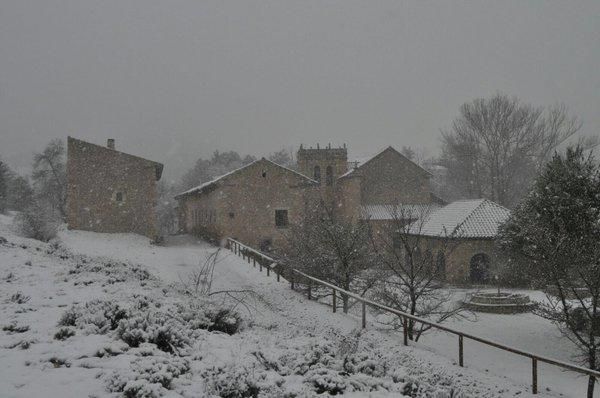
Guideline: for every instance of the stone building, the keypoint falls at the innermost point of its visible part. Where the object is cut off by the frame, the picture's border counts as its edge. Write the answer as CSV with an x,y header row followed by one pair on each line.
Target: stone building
x,y
472,225
257,203
110,191
254,204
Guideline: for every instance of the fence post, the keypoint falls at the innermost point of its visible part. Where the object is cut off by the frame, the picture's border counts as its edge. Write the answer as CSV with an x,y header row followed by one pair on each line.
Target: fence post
x,y
292,279
334,304
310,290
276,271
405,329
364,315
249,259
268,270
534,383
460,350
254,262
260,266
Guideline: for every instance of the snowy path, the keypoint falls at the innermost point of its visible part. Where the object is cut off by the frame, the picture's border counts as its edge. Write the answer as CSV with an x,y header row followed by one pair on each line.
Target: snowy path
x,y
276,306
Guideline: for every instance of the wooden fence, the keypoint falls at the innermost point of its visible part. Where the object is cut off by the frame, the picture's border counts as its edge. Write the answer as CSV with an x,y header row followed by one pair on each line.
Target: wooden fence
x,y
293,276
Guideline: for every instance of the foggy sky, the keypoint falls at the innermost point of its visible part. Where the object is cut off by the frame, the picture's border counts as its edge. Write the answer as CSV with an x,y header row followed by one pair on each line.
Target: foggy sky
x,y
175,80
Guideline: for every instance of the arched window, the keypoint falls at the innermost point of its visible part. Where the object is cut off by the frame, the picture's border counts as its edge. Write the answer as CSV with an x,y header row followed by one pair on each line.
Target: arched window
x,y
329,175
317,173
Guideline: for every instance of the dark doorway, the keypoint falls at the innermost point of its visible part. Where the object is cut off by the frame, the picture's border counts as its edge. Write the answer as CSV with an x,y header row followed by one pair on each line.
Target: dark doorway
x,y
480,268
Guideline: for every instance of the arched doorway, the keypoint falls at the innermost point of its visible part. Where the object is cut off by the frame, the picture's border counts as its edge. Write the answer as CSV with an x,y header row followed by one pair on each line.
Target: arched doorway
x,y
480,268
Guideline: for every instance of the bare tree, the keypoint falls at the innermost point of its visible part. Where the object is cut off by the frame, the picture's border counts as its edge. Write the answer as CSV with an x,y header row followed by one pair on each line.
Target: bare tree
x,y
206,169
4,186
496,146
553,238
166,208
412,268
49,176
334,250
283,157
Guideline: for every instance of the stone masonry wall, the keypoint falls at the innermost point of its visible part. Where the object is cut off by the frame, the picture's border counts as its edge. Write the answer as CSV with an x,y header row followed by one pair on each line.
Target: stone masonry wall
x,y
391,178
95,175
242,206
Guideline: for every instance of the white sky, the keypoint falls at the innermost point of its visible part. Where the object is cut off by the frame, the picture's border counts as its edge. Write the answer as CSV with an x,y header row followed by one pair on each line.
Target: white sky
x,y
175,80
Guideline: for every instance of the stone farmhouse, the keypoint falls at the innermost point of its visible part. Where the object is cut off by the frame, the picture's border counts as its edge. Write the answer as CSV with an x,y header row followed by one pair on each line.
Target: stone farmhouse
x,y
257,204
110,191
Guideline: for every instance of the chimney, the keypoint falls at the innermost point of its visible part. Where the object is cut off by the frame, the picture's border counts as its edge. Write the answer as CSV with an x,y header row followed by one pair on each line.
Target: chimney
x,y
110,143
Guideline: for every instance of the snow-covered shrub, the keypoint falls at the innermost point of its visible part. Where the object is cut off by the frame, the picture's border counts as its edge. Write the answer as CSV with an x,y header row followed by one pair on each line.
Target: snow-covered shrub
x,y
154,327
142,389
38,221
148,377
366,363
235,381
59,362
224,320
115,271
95,317
300,361
19,298
64,333
14,328
326,380
111,350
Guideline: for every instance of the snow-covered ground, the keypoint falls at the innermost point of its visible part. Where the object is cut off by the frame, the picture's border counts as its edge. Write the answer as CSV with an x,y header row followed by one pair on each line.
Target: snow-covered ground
x,y
289,346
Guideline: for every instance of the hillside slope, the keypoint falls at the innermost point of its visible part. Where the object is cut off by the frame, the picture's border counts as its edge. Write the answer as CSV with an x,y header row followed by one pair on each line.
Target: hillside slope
x,y
138,332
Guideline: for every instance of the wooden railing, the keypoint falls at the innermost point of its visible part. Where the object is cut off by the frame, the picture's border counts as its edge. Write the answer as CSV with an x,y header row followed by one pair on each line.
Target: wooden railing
x,y
290,274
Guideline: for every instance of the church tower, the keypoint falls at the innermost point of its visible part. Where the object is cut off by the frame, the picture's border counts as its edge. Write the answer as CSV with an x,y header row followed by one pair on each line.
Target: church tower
x,y
323,164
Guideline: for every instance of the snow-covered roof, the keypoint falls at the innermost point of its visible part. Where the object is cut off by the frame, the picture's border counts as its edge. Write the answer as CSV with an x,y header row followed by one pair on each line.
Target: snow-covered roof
x,y
360,162
472,218
206,184
392,212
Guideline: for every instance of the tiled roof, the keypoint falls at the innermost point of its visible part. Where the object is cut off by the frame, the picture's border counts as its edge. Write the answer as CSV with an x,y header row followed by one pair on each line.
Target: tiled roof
x,y
473,218
391,212
360,162
207,184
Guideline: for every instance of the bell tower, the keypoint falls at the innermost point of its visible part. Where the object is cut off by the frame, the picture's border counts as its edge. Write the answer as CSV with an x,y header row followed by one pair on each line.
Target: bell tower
x,y
323,164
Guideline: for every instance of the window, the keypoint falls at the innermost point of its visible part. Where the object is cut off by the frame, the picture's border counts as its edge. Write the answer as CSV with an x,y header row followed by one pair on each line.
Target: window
x,y
281,218
317,173
329,175
118,196
264,173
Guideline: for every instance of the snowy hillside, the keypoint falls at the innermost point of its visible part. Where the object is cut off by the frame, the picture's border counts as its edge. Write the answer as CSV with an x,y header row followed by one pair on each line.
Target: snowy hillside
x,y
95,315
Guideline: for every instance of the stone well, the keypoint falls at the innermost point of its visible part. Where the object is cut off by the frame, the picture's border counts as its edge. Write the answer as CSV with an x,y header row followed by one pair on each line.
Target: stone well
x,y
500,303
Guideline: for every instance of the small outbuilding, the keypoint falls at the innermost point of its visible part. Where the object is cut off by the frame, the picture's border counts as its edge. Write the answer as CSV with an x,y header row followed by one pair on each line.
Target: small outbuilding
x,y
472,225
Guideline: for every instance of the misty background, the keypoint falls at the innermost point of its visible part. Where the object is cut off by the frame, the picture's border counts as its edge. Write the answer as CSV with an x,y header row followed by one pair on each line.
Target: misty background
x,y
173,81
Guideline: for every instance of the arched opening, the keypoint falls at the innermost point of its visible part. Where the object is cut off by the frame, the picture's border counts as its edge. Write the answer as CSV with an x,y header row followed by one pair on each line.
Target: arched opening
x,y
317,173
480,268
329,175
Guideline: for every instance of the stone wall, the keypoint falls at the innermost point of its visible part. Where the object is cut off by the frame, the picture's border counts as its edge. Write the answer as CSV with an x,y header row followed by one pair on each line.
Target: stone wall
x,y
459,255
110,191
391,178
243,205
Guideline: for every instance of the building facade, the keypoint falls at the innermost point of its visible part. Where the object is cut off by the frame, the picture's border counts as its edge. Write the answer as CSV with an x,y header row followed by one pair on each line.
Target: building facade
x,y
257,204
109,190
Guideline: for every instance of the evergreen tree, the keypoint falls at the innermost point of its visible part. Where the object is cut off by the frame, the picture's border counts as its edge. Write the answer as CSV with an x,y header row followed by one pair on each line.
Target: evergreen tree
x,y
553,238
